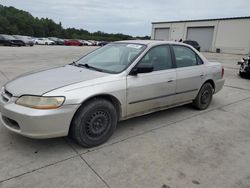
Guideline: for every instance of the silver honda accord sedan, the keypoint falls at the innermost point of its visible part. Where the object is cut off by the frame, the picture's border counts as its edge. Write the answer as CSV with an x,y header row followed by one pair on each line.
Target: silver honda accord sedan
x,y
87,98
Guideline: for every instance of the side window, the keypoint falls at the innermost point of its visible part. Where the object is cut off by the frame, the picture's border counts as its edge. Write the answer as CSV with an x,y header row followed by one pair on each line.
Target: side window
x,y
184,56
199,61
159,57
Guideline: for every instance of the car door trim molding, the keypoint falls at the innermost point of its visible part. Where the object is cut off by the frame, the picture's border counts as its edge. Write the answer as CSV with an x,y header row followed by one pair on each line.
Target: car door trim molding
x,y
162,96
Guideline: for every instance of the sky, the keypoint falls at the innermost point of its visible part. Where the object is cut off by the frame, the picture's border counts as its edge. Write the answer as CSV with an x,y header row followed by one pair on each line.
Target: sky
x,y
131,17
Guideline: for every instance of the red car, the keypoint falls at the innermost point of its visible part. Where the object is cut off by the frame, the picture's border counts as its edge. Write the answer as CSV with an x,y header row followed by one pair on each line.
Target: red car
x,y
72,43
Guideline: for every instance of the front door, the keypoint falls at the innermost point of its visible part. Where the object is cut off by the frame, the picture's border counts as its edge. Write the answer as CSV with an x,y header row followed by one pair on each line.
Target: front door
x,y
148,91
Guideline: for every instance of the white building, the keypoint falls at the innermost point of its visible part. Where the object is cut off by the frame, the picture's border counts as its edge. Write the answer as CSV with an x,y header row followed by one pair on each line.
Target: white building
x,y
227,35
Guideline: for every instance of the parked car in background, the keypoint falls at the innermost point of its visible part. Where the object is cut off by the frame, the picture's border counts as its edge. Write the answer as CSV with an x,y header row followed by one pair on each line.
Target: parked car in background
x,y
86,43
43,41
103,43
57,41
193,43
27,40
94,43
71,42
8,40
244,67
119,81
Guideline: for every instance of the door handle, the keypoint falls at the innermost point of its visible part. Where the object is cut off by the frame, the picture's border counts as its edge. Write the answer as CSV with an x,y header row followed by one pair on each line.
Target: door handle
x,y
169,81
202,75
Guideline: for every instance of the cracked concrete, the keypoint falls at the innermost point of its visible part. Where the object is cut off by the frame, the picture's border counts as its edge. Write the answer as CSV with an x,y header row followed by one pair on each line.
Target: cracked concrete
x,y
179,147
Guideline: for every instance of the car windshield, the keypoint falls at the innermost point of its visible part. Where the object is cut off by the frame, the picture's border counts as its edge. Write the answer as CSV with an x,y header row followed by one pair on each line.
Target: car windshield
x,y
112,58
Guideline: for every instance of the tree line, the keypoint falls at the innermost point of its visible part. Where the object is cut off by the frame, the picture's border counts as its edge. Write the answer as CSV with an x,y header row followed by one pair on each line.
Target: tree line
x,y
18,22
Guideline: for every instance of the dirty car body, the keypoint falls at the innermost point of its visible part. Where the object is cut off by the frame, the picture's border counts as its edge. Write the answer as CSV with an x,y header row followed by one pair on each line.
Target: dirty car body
x,y
136,78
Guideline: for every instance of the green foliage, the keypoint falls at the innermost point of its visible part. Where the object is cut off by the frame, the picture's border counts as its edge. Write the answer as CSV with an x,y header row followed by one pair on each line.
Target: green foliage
x,y
18,22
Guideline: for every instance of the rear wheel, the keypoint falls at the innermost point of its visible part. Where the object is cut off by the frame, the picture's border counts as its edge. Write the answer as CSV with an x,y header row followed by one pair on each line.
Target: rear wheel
x,y
94,123
204,97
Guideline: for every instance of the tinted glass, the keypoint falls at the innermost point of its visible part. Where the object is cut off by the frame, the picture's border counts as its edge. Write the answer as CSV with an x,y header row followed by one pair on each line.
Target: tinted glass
x,y
187,42
184,56
159,57
195,43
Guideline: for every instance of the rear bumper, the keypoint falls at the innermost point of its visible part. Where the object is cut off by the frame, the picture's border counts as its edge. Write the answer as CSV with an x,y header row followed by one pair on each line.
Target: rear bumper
x,y
37,123
219,85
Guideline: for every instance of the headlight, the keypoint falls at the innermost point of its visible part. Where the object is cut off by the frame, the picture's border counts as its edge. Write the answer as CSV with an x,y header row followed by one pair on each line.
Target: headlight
x,y
42,103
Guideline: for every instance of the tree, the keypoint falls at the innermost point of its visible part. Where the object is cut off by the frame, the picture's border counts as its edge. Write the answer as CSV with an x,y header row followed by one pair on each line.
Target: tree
x,y
15,21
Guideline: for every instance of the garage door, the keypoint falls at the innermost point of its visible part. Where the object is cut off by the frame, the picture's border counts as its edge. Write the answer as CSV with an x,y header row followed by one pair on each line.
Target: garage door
x,y
162,34
203,35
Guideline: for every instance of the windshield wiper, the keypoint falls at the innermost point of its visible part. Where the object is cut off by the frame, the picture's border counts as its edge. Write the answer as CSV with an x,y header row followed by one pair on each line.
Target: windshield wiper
x,y
73,63
88,67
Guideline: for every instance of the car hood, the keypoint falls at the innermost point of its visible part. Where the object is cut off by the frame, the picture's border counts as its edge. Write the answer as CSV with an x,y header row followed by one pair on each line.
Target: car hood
x,y
42,82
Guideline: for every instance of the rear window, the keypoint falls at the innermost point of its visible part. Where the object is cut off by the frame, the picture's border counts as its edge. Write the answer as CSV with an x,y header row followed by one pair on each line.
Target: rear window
x,y
195,43
184,56
191,42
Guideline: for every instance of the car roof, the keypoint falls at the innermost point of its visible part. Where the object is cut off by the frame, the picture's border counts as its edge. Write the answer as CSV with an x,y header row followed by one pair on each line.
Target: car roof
x,y
150,42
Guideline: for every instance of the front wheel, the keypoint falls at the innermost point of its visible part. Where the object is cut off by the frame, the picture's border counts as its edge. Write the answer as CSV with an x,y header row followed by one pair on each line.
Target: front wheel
x,y
94,123
204,97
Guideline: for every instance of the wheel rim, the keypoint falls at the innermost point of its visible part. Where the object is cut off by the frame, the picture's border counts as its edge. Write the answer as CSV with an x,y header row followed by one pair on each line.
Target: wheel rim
x,y
205,97
97,124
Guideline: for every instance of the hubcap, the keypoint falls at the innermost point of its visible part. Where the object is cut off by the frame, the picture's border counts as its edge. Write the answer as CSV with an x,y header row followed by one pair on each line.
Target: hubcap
x,y
205,97
97,124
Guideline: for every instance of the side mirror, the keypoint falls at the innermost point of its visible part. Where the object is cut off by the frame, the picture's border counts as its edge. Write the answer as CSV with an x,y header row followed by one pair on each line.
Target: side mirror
x,y
141,68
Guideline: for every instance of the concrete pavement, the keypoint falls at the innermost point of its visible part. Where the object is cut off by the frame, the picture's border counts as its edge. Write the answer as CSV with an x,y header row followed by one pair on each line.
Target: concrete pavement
x,y
179,147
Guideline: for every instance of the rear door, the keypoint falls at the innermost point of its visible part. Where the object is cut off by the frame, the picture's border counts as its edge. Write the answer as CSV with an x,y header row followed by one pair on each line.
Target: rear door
x,y
190,73
149,91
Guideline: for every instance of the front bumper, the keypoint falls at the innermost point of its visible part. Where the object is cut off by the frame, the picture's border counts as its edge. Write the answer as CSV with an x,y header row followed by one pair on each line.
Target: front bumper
x,y
35,123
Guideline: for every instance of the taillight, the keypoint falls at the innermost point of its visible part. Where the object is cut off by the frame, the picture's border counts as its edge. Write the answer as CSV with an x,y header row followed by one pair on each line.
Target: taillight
x,y
222,72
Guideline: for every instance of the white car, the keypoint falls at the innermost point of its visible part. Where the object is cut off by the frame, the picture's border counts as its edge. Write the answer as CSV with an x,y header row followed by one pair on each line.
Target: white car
x,y
86,43
44,41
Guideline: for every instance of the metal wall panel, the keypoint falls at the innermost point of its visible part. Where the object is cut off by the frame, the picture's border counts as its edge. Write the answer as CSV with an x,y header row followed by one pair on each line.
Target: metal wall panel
x,y
161,34
203,35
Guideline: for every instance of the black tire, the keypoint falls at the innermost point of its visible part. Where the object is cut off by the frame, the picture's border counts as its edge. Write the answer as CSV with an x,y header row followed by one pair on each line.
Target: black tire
x,y
241,74
204,97
94,123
